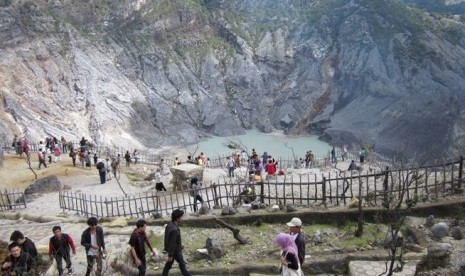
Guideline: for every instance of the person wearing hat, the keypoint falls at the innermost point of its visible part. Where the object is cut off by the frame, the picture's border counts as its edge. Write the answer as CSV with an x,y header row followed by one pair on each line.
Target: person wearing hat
x,y
295,230
173,244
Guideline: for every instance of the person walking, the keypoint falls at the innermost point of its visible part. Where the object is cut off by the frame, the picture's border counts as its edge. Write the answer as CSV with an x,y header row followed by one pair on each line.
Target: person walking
x,y
135,154
361,155
289,261
102,171
195,185
230,165
57,153
295,229
333,155
173,244
41,156
18,262
64,145
108,167
59,249
127,157
137,242
25,243
73,154
94,243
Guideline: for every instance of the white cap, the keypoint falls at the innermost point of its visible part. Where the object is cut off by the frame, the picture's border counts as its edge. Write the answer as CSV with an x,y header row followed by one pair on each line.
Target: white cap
x,y
295,222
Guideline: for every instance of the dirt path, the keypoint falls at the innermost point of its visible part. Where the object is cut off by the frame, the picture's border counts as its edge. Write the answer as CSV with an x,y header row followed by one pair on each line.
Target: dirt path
x,y
16,174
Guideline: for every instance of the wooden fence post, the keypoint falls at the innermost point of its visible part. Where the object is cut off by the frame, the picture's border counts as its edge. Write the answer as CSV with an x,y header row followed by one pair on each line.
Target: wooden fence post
x,y
385,185
460,173
215,194
324,190
262,191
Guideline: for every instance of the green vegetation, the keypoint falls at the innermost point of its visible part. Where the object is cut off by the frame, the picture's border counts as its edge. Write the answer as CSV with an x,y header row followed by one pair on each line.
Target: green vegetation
x,y
372,234
320,9
157,242
439,6
5,3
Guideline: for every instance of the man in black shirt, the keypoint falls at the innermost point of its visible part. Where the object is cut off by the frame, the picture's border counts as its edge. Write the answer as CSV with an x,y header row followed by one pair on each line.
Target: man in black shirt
x,y
173,244
17,262
295,229
26,244
137,242
93,241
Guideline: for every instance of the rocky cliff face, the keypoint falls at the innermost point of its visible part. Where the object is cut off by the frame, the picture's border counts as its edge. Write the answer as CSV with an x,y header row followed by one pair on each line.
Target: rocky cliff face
x,y
168,72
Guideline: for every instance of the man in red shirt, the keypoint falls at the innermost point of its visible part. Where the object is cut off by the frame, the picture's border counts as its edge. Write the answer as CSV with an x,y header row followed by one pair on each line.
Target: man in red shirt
x,y
270,168
59,248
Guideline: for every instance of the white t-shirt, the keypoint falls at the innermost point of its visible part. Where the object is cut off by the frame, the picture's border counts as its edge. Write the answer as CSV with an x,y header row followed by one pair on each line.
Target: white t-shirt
x,y
93,241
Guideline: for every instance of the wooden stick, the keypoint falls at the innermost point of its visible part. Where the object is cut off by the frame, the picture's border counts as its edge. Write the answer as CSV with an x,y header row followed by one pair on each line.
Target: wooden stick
x,y
235,231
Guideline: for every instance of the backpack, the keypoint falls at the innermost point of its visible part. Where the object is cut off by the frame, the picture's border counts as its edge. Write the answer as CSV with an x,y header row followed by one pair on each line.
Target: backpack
x,y
100,165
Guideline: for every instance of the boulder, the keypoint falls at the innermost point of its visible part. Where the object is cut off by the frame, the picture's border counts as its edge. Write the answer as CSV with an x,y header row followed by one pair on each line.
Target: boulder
x,y
202,254
157,215
389,240
462,269
45,185
255,205
439,250
204,210
275,208
227,210
440,230
456,232
438,256
316,238
353,203
182,174
215,248
429,222
291,208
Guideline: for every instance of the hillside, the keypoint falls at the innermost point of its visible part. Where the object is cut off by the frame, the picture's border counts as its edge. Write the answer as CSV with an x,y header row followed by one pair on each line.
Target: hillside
x,y
168,72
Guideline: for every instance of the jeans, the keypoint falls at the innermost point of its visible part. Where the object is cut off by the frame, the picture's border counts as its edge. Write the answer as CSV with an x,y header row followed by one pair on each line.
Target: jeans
x,y
90,264
59,258
42,162
142,267
182,265
103,176
231,172
199,198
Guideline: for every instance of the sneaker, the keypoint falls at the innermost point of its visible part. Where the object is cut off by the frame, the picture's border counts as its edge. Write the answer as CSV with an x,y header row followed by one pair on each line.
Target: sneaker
x,y
70,270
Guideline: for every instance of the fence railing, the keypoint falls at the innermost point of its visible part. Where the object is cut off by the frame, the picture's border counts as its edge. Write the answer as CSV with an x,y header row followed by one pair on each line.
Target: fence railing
x,y
12,200
424,183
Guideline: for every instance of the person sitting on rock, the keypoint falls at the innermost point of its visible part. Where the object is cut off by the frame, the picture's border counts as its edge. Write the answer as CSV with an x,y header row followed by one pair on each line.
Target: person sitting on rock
x,y
353,167
247,195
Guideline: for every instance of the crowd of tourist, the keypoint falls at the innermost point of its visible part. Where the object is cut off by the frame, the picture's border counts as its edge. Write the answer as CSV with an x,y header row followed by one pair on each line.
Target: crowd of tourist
x,y
23,258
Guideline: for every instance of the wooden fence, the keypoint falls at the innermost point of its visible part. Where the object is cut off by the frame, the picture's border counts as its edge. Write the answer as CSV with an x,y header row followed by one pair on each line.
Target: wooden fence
x,y
424,183
11,200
